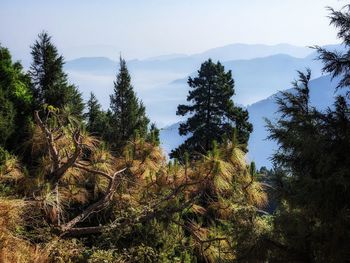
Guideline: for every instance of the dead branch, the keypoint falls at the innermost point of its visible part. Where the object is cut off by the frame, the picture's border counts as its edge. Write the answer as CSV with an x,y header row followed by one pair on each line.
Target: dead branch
x,y
49,140
59,167
87,169
153,211
100,204
63,167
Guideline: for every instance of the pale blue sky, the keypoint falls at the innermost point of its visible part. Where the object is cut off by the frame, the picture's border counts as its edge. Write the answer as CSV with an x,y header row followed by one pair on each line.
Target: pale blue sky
x,y
143,28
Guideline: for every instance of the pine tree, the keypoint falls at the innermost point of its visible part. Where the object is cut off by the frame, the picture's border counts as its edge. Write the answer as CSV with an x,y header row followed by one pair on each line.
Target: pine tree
x,y
312,220
336,63
96,118
50,83
128,113
313,162
213,113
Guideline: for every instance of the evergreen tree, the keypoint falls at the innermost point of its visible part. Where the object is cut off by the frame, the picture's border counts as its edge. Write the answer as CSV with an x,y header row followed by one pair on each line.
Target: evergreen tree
x,y
312,166
153,134
213,113
336,63
50,83
15,102
128,113
96,118
312,222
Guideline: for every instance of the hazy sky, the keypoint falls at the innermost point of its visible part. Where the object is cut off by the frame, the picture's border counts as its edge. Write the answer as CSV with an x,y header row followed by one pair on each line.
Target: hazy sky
x,y
143,28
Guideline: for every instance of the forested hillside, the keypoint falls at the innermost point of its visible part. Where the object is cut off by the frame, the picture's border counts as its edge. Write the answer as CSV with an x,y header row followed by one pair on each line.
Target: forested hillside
x,y
80,183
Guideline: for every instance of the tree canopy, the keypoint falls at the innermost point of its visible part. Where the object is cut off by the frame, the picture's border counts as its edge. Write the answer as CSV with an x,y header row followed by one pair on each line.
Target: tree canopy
x,y
49,82
213,115
128,114
97,120
15,101
312,165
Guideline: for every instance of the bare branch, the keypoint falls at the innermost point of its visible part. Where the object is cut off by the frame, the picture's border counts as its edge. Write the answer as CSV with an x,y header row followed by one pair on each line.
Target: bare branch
x,y
100,204
58,173
49,139
87,169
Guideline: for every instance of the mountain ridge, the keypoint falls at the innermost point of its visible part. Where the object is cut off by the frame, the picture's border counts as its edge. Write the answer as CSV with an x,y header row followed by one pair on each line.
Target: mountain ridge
x,y
255,79
260,149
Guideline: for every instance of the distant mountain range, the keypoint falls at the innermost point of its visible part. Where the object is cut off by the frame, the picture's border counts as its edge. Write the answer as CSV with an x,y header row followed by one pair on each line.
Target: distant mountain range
x,y
322,93
258,78
94,64
255,78
258,71
188,63
244,51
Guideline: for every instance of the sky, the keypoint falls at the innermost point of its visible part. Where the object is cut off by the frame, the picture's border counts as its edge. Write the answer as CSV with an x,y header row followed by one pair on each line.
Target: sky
x,y
145,28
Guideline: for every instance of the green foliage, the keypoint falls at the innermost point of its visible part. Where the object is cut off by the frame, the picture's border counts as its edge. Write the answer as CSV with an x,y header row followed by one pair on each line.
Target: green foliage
x,y
336,63
4,156
252,167
96,118
126,119
313,160
213,113
5,190
153,135
66,251
7,118
50,83
128,114
151,212
15,102
140,253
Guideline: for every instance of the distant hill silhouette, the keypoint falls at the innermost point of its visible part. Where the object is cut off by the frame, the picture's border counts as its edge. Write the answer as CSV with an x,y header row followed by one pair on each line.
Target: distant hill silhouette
x,y
258,71
260,149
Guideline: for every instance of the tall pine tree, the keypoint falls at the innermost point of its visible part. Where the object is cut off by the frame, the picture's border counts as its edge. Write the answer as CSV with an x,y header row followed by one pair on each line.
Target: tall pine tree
x,y
128,113
312,221
213,115
50,83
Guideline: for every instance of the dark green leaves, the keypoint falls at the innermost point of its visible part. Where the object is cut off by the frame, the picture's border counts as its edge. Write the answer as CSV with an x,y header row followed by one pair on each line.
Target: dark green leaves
x,y
213,115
